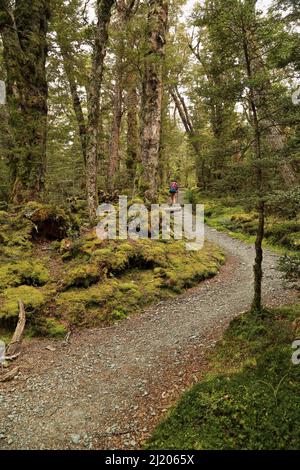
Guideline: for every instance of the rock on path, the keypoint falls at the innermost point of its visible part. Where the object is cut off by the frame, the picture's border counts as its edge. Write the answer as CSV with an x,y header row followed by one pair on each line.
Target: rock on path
x,y
109,387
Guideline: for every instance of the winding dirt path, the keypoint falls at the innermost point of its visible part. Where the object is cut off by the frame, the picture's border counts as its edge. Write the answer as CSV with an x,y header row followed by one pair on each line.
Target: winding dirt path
x,y
108,388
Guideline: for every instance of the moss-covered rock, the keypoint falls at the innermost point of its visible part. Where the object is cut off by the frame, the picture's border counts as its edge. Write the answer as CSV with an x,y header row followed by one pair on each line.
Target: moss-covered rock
x,y
75,305
81,276
23,272
146,272
32,297
51,327
49,222
98,282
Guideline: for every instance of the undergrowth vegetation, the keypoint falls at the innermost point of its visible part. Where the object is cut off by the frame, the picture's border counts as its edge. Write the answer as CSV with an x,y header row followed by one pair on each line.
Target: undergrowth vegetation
x,y
255,404
66,279
282,228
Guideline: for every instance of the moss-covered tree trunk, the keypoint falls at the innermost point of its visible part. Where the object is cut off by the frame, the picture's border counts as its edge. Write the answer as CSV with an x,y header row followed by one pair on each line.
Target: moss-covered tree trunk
x,y
103,10
133,148
152,95
23,30
252,69
66,53
116,128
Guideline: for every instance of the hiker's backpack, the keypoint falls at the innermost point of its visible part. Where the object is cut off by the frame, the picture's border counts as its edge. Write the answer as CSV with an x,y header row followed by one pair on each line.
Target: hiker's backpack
x,y
174,187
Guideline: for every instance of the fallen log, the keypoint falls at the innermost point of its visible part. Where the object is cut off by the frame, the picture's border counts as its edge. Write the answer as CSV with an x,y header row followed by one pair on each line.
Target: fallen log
x,y
15,344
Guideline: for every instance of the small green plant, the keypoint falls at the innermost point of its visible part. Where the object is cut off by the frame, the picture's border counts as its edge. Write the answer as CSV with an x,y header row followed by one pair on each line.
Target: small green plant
x,y
290,267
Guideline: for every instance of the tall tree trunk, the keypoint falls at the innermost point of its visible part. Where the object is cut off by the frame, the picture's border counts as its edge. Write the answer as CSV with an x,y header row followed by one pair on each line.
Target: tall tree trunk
x,y
133,148
275,139
126,9
116,128
77,106
152,95
253,97
23,31
103,9
191,133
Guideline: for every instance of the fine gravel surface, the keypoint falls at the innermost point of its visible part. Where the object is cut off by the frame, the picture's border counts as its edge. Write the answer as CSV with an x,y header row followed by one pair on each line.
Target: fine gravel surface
x,y
108,388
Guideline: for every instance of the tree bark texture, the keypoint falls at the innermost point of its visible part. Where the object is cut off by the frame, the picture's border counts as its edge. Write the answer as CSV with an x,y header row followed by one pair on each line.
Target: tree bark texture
x,y
103,8
23,30
152,96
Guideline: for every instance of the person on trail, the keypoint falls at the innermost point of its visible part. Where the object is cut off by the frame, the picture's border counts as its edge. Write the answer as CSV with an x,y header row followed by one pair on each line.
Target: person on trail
x,y
173,191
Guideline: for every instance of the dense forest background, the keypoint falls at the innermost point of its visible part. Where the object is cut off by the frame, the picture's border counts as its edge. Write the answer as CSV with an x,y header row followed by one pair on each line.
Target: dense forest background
x,y
151,91
106,98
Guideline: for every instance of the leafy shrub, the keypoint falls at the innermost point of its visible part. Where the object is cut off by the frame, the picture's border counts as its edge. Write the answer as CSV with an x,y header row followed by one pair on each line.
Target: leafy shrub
x,y
193,196
290,267
285,203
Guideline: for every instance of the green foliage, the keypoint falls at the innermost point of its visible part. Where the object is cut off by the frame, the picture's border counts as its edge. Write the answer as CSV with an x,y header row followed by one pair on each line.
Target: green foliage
x,y
32,297
81,276
50,327
15,235
192,196
23,272
128,275
255,405
285,233
228,214
290,267
285,203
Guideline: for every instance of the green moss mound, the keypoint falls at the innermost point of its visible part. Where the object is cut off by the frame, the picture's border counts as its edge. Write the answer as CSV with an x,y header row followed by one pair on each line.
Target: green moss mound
x,y
82,280
49,222
51,327
123,277
32,297
23,272
254,406
81,276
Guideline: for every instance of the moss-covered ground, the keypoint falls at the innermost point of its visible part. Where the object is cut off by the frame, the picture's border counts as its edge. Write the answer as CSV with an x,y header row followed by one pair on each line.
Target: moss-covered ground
x,y
255,404
233,215
69,279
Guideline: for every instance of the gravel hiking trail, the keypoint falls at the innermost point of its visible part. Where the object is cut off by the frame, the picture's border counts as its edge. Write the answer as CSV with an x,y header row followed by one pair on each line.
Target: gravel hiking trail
x,y
108,388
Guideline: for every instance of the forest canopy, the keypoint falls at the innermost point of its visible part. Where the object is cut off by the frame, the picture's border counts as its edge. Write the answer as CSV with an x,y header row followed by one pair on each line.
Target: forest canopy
x,y
121,97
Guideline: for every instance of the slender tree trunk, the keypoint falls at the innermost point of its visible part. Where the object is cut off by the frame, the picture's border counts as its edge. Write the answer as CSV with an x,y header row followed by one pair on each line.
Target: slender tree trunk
x,y
258,271
152,96
103,8
77,107
115,131
25,52
133,149
191,133
125,11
